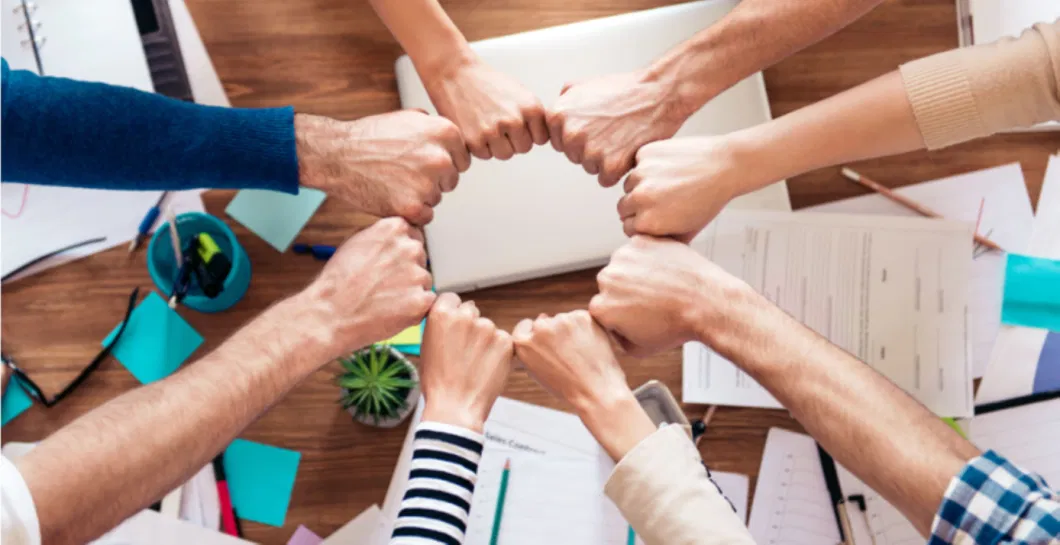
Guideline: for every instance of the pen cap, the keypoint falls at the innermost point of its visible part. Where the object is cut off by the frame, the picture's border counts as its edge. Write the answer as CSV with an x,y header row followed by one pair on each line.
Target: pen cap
x,y
162,265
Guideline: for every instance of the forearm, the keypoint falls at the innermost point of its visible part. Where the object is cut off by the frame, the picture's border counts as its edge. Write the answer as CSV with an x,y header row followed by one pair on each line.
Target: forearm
x,y
754,36
850,409
64,132
425,32
834,131
126,454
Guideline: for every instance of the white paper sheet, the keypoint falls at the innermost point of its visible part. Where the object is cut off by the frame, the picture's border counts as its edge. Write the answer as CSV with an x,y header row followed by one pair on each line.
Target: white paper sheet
x,y
735,487
792,505
1017,353
881,523
55,217
1007,216
153,528
359,531
1026,435
892,291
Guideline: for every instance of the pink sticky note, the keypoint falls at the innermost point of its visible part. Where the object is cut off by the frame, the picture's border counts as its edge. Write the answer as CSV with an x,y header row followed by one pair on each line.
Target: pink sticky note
x,y
304,536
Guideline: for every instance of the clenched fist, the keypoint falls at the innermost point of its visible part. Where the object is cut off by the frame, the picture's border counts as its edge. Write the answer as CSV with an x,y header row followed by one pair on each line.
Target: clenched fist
x,y
374,286
602,122
679,185
496,114
571,355
394,164
657,294
466,362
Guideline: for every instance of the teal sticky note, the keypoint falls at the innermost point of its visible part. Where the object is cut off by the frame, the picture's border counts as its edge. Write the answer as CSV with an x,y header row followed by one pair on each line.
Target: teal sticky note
x,y
261,479
275,217
1032,292
409,349
15,402
156,340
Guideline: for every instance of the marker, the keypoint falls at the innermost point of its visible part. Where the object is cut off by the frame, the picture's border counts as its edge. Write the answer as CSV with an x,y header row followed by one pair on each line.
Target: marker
x,y
320,252
229,521
147,222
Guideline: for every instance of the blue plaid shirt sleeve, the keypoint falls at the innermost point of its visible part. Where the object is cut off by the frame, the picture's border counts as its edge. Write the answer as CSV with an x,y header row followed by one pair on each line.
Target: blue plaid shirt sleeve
x,y
992,501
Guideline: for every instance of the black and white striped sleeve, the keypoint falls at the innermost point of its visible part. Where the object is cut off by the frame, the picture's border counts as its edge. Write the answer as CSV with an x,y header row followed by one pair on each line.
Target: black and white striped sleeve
x,y
437,502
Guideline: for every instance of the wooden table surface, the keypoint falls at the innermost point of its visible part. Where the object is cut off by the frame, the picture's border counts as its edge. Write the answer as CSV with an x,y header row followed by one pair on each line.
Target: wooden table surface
x,y
333,57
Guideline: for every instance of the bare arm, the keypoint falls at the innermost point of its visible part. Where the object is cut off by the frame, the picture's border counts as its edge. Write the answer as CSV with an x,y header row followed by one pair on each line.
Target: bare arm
x,y
658,293
751,38
680,184
496,114
600,123
853,411
126,454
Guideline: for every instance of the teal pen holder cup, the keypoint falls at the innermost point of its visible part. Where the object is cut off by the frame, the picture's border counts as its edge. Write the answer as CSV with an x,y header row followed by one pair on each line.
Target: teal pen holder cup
x,y
163,265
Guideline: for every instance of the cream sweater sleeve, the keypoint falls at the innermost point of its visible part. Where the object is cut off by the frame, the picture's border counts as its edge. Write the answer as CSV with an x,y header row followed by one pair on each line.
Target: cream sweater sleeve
x,y
663,490
977,91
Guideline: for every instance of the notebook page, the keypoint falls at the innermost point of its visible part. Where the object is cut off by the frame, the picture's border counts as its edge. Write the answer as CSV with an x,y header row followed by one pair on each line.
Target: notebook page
x,y
1025,435
892,291
791,501
549,500
881,523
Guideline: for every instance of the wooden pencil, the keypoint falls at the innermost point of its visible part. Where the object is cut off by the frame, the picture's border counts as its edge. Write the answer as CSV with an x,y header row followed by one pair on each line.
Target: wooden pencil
x,y
908,203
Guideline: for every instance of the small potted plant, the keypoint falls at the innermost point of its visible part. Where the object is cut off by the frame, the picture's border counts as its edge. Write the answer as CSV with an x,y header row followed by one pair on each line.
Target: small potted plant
x,y
380,386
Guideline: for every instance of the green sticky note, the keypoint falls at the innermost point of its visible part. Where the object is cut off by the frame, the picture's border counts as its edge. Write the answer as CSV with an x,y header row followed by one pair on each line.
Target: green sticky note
x,y
260,480
15,402
1032,292
156,340
952,423
275,217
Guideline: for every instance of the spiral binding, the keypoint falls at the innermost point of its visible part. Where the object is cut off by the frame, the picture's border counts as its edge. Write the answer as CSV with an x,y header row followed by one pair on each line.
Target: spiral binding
x,y
32,29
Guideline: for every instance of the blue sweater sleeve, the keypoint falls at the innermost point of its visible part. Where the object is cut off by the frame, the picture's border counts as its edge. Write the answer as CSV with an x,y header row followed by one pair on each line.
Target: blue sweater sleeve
x,y
58,131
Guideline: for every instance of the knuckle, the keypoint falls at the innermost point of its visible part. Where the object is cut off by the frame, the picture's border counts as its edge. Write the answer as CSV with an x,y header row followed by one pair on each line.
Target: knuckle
x,y
411,209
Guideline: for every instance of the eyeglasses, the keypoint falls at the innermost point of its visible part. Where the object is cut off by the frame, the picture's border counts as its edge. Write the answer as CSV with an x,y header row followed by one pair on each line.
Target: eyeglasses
x,y
35,391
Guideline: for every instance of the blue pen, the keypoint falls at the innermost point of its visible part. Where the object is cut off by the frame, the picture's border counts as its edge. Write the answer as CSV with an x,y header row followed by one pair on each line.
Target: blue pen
x,y
147,222
320,252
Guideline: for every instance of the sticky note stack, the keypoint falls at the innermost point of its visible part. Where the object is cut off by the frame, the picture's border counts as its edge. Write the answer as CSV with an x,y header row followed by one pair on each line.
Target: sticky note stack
x,y
408,341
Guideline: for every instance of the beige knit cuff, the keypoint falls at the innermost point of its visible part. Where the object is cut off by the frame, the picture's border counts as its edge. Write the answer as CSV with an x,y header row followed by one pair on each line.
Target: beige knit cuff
x,y
942,100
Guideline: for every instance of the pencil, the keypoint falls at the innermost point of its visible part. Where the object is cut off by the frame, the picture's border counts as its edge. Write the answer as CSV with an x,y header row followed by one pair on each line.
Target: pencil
x,y
500,502
908,203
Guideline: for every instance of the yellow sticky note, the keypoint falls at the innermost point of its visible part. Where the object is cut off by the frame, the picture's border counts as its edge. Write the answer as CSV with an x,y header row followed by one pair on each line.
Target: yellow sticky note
x,y
412,335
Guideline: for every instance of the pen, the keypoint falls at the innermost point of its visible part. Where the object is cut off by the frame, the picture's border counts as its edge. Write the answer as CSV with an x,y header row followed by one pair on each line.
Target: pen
x,y
147,222
229,522
501,495
831,480
908,203
320,252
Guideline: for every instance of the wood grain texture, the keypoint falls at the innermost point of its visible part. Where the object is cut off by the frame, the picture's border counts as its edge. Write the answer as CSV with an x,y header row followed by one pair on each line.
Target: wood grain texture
x,y
333,57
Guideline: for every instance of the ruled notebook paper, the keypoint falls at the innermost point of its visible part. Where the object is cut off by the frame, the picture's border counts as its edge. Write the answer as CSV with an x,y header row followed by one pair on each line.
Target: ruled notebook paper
x,y
791,502
881,523
1025,435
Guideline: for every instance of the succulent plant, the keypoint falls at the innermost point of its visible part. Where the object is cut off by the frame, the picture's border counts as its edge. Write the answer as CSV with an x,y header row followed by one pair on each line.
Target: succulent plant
x,y
376,383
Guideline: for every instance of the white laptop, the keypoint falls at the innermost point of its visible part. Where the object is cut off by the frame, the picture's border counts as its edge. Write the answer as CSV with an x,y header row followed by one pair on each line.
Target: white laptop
x,y
538,214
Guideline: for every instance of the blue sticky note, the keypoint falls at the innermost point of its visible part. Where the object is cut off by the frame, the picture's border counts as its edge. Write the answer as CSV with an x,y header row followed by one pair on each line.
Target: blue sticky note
x,y
275,217
1047,375
1032,292
15,401
260,479
155,342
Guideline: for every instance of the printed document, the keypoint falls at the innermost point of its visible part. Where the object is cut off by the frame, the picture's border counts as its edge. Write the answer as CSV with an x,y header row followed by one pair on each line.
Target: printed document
x,y
891,291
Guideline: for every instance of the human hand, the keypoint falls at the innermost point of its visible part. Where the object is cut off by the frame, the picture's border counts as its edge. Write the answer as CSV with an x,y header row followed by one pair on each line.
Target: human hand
x,y
393,164
497,116
466,362
571,356
679,185
601,123
657,294
374,286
